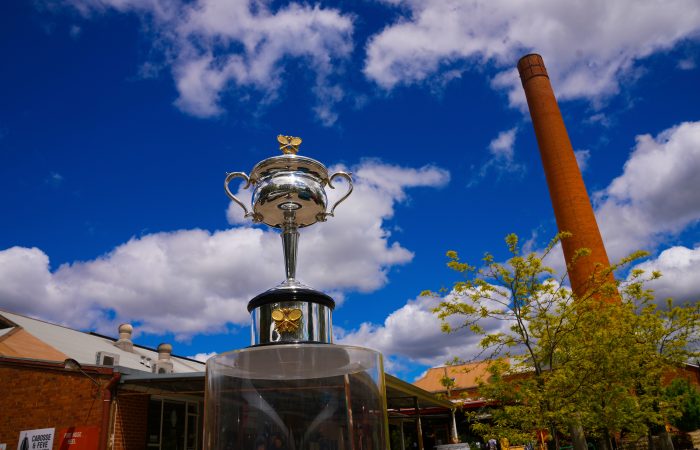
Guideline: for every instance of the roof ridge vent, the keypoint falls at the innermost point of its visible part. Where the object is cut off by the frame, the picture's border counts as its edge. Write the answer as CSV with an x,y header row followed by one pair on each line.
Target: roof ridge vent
x,y
164,352
164,363
124,342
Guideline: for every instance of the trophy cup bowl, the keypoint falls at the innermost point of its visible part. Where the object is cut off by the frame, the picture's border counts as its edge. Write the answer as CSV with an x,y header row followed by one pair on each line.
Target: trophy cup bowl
x,y
288,183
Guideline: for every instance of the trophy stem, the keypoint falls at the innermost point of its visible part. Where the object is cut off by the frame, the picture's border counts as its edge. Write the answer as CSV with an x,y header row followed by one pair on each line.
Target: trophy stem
x,y
290,244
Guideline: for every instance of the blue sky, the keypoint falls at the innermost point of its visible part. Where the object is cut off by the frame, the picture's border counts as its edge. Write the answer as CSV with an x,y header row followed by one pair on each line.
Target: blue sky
x,y
119,119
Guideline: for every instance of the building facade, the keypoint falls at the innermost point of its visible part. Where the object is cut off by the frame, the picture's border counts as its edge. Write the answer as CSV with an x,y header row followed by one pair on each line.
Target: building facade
x,y
89,391
77,385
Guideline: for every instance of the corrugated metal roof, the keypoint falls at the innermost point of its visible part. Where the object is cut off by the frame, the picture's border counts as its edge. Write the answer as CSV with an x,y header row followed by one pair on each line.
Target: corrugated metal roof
x,y
83,347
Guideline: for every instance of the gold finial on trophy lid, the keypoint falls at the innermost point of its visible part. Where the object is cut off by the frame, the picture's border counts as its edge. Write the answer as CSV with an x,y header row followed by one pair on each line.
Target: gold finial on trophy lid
x,y
288,144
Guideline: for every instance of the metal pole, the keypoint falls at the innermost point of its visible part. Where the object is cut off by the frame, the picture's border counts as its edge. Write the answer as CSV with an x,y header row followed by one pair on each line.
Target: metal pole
x,y
290,244
348,408
107,398
455,437
419,427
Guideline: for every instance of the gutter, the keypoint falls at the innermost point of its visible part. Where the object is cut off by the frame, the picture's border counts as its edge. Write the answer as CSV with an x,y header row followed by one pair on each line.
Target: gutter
x,y
106,406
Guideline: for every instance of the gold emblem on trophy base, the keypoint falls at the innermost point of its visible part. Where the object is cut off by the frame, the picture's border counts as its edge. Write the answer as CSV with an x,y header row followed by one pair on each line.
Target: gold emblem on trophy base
x,y
286,319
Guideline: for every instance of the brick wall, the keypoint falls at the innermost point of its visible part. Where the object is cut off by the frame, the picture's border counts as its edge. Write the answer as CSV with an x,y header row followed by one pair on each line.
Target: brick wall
x,y
130,420
690,373
41,397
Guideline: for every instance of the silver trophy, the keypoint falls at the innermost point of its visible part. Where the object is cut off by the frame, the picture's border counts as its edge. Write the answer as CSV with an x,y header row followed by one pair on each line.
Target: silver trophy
x,y
289,193
293,387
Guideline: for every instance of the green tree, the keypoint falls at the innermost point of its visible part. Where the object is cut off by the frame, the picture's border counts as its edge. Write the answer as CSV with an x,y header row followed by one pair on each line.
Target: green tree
x,y
448,383
536,312
666,338
686,398
565,363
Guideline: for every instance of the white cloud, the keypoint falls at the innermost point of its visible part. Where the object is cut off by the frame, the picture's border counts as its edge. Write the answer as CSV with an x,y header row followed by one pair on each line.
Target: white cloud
x,y
24,275
657,195
582,157
413,333
590,46
54,179
195,281
502,146
203,357
599,118
502,156
687,63
679,267
217,48
352,249
74,31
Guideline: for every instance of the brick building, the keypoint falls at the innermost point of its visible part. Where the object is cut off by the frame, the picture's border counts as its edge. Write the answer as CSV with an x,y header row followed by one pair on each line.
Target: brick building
x,y
80,385
97,392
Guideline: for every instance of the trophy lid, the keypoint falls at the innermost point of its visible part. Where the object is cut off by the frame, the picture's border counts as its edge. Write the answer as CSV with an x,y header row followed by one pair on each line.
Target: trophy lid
x,y
289,161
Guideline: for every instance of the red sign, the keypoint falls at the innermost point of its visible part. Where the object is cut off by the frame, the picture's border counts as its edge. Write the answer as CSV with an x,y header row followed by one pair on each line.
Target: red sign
x,y
78,438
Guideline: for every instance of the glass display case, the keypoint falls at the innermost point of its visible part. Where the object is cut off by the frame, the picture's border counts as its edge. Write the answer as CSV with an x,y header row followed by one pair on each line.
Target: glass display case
x,y
293,389
296,397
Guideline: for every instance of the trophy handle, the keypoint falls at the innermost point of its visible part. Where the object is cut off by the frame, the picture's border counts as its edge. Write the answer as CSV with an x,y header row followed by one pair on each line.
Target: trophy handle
x,y
321,217
231,176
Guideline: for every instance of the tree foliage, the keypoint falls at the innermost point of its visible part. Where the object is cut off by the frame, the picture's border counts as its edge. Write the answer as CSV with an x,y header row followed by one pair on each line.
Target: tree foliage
x,y
687,398
596,359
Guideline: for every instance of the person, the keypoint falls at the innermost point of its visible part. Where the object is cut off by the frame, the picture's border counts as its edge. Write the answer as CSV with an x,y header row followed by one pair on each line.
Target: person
x,y
277,443
429,440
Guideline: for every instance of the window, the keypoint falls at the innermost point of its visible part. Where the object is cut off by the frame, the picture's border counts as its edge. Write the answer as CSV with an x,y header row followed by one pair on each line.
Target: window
x,y
173,424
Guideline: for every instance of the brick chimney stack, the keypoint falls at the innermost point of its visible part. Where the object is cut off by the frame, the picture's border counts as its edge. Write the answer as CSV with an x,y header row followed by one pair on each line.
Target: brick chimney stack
x,y
572,206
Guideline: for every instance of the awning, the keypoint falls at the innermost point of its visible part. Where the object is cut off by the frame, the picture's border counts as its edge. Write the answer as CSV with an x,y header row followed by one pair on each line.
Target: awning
x,y
403,395
189,383
400,394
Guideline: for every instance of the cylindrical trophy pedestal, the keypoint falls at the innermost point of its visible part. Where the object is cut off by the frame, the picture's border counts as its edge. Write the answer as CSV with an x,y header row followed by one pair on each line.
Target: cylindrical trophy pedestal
x,y
296,397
